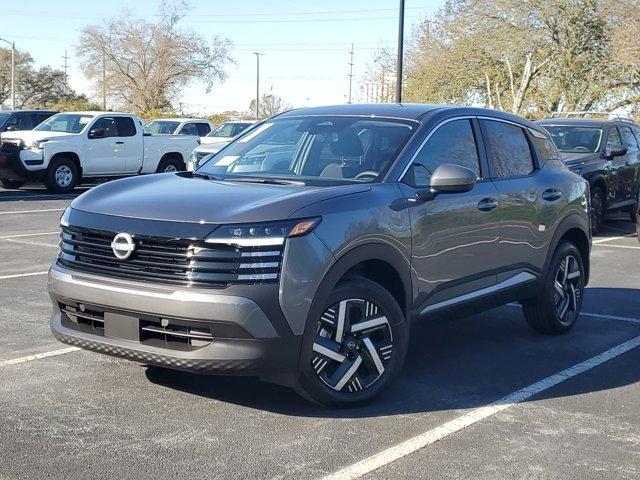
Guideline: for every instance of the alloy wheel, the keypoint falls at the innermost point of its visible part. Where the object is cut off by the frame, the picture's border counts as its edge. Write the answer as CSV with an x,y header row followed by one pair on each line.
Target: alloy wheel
x,y
567,292
170,168
353,345
63,176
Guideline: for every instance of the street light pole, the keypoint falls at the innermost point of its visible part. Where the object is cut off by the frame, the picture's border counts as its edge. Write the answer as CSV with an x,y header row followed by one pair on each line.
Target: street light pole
x,y
400,53
257,84
13,72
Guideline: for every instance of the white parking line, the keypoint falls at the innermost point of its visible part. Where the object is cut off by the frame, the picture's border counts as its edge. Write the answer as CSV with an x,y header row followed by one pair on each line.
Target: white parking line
x,y
19,275
22,235
16,212
418,442
631,247
38,356
612,317
610,239
26,242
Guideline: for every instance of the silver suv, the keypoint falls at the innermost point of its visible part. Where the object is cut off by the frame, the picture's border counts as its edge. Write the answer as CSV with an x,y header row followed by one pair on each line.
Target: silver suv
x,y
302,251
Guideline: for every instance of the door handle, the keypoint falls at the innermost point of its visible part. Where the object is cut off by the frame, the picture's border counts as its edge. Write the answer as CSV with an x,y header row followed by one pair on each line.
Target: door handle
x,y
487,204
551,195
119,143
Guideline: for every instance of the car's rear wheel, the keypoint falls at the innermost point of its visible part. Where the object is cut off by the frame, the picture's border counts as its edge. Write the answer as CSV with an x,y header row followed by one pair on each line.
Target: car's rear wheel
x,y
557,306
355,347
11,184
169,165
62,176
597,209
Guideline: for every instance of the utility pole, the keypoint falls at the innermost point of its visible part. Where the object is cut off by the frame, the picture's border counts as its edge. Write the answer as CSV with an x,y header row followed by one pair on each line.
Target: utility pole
x,y
66,65
350,72
104,80
13,71
400,53
257,84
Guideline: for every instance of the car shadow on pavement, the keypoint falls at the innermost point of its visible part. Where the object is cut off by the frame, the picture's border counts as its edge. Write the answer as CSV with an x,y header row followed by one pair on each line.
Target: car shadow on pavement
x,y
465,363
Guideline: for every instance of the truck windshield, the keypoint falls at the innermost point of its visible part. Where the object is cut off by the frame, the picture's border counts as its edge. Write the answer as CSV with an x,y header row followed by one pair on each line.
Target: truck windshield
x,y
160,127
228,130
571,139
349,149
65,122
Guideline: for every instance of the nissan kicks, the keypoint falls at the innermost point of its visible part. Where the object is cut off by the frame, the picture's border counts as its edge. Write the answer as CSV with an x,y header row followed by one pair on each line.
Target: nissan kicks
x,y
302,251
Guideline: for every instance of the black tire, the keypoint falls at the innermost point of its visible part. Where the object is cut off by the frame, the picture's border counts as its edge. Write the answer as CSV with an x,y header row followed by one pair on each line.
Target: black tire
x,y
11,184
170,164
325,380
598,209
62,176
544,313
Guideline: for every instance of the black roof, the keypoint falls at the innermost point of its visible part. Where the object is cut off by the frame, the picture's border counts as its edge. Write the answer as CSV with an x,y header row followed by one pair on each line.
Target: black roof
x,y
28,111
583,122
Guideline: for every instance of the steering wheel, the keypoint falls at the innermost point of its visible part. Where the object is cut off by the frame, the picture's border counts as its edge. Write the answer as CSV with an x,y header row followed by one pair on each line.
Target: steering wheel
x,y
372,174
581,149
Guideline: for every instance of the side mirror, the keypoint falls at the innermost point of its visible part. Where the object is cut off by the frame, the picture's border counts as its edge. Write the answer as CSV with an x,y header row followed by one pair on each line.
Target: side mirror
x,y
97,133
11,128
617,151
448,178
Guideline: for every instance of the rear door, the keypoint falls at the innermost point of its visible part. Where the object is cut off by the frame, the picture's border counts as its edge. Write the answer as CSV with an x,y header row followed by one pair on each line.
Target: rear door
x,y
630,169
613,167
454,236
529,199
102,158
129,145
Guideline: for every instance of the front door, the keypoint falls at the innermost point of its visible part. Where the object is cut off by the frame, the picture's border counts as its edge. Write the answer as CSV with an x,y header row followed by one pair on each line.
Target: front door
x,y
454,236
101,158
629,166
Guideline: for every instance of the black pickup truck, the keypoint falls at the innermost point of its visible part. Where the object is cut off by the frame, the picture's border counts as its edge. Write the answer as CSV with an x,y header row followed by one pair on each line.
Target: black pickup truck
x,y
607,154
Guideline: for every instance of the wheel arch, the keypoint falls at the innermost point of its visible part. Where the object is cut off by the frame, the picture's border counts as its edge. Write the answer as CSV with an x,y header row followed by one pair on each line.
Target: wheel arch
x,y
74,157
172,156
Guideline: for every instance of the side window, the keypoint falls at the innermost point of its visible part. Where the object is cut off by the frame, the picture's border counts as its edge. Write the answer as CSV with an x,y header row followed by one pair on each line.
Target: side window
x,y
544,146
38,118
628,140
203,129
108,124
126,127
453,142
19,121
189,129
613,140
238,128
508,149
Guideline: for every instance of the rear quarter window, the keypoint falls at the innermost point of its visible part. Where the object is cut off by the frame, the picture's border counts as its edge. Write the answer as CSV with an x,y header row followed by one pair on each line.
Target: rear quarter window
x,y
544,146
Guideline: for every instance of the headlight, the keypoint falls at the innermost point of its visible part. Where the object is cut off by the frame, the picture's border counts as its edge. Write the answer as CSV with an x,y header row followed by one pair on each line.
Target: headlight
x,y
194,156
262,234
64,219
37,144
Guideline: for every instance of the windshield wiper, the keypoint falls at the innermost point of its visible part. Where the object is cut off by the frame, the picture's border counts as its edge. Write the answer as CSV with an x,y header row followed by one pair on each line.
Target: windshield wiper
x,y
270,181
208,176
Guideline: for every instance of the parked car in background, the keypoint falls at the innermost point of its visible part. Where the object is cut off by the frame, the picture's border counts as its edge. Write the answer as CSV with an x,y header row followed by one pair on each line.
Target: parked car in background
x,y
217,140
14,120
606,152
227,130
68,148
195,127
302,251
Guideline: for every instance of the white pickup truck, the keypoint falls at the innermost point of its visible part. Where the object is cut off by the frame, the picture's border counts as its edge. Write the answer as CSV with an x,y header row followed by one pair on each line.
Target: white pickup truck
x,y
68,148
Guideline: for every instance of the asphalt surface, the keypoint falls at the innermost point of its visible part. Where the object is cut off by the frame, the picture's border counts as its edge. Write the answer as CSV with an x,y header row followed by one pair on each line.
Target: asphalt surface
x,y
85,415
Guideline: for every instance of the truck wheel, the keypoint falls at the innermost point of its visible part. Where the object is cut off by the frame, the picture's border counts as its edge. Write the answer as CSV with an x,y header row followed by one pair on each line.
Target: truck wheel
x,y
171,164
11,184
354,347
557,306
598,209
62,176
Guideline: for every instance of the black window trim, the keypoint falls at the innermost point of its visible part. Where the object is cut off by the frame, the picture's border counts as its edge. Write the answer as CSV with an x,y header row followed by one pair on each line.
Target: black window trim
x,y
532,151
482,158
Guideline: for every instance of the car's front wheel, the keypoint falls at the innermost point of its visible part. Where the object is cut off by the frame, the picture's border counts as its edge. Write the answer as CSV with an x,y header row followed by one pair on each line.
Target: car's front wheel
x,y
62,176
11,184
557,306
355,347
169,165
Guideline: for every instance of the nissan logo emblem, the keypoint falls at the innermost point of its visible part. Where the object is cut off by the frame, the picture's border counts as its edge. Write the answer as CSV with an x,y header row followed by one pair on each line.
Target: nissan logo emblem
x,y
123,246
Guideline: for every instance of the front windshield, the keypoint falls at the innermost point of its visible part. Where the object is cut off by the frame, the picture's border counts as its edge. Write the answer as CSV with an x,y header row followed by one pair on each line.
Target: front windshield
x,y
3,117
160,127
571,139
65,122
314,148
224,130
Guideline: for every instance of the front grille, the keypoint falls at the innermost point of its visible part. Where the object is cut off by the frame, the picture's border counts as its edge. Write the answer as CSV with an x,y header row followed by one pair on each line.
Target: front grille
x,y
166,260
8,146
201,155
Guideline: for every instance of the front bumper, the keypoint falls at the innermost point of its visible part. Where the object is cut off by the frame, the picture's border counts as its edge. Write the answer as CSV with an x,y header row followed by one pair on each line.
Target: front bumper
x,y
261,350
13,168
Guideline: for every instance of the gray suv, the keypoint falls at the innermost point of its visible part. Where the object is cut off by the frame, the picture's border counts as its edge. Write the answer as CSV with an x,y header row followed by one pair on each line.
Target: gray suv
x,y
302,251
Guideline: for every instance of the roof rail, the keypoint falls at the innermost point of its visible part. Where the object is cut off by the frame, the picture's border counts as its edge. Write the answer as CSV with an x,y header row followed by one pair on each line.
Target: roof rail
x,y
592,114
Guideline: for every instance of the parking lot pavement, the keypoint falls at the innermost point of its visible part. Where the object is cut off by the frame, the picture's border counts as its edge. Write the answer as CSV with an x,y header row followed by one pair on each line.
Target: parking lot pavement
x,y
82,414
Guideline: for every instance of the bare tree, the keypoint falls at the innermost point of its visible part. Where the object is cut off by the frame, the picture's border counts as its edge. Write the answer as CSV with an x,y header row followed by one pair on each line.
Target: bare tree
x,y
146,65
270,105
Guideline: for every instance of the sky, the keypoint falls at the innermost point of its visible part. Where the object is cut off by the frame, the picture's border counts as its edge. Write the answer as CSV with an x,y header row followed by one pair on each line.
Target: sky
x,y
305,43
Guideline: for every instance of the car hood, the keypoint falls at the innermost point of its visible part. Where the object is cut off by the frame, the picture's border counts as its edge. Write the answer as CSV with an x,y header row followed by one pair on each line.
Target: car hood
x,y
211,147
28,136
575,158
208,140
179,197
